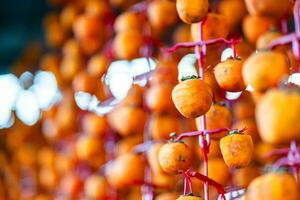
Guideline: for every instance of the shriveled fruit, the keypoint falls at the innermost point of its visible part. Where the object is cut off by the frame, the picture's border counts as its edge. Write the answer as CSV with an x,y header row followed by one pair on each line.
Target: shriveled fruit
x,y
217,117
192,11
274,8
265,69
278,114
237,150
192,97
175,157
229,75
215,26
275,186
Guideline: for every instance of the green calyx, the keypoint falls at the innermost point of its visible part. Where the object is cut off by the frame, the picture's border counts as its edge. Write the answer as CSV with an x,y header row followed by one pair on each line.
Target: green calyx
x,y
189,77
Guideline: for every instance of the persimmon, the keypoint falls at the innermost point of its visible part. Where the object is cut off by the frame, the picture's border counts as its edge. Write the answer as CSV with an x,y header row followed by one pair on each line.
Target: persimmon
x,y
127,44
98,8
164,180
215,26
192,11
251,127
233,10
55,33
210,79
69,66
254,26
275,186
236,149
162,125
243,177
94,125
261,149
217,117
127,144
95,187
152,157
98,65
129,20
71,48
167,196
165,72
164,103
127,120
85,83
190,197
217,170
214,149
89,148
46,157
265,69
48,178
156,14
182,34
192,97
134,96
277,115
229,75
71,185
125,170
264,41
175,157
68,16
244,49
122,3
273,8
245,107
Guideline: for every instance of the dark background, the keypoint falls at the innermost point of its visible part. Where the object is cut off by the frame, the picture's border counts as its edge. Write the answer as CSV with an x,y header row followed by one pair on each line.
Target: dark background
x,y
20,22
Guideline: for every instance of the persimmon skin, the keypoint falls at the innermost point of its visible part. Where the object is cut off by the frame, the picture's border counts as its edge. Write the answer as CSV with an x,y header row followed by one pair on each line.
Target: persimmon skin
x,y
273,8
215,26
127,144
164,103
125,170
251,128
237,150
233,10
175,157
255,26
265,40
152,156
243,177
127,120
167,196
217,170
95,187
192,11
266,69
127,44
277,116
217,117
94,125
229,75
214,149
157,10
127,21
189,198
162,125
98,65
192,98
275,186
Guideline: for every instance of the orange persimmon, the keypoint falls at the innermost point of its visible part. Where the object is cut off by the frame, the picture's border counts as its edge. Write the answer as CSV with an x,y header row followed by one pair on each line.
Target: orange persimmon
x,y
264,41
192,11
128,21
162,125
229,75
254,26
97,65
251,127
95,187
243,177
273,8
167,196
175,157
95,125
192,97
275,186
217,117
215,26
190,197
278,114
265,69
127,144
236,149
